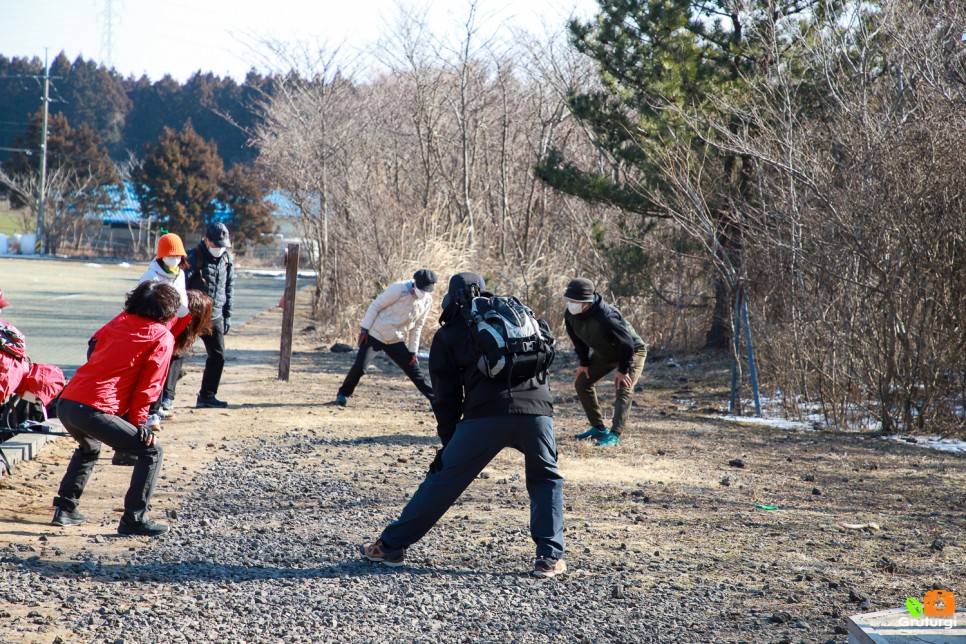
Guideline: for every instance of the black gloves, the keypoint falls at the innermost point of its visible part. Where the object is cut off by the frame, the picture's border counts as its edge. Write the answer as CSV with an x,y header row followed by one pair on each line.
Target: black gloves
x,y
227,325
145,435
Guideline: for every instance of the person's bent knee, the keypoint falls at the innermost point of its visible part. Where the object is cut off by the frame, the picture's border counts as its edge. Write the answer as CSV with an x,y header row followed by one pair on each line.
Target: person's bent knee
x,y
90,454
154,453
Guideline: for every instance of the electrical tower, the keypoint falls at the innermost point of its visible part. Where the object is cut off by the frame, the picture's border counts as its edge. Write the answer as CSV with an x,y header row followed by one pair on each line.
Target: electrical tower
x,y
108,16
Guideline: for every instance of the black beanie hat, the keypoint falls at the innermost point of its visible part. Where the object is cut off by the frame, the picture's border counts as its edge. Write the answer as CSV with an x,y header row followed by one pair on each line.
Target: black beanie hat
x,y
580,290
466,282
425,280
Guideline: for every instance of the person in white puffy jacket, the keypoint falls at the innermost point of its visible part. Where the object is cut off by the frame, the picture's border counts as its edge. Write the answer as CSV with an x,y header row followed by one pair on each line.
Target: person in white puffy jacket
x,y
393,323
167,266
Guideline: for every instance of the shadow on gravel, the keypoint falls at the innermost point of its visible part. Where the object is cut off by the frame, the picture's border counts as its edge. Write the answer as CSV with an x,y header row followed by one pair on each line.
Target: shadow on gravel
x,y
394,439
182,571
265,404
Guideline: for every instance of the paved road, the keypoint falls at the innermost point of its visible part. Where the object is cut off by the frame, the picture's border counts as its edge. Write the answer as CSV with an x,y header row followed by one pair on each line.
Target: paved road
x,y
58,304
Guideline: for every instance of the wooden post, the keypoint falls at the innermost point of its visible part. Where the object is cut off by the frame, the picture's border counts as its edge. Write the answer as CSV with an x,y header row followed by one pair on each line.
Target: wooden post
x,y
288,310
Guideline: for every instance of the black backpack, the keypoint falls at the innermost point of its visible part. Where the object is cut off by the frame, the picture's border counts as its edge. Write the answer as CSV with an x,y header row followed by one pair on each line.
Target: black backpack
x,y
510,341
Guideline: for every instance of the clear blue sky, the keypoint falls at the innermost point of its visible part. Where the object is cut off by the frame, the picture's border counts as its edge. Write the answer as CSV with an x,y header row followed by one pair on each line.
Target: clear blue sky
x,y
179,37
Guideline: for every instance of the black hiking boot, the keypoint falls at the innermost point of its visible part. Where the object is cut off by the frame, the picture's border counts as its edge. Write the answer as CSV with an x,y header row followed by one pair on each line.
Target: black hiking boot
x,y
145,528
64,517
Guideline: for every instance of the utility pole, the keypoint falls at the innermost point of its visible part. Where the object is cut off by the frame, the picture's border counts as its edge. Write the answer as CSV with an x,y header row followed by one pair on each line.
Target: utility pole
x,y
43,160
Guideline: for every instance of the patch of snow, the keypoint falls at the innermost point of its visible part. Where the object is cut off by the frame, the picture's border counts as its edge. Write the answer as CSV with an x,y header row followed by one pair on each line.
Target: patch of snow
x,y
933,442
780,423
124,265
859,422
275,274
92,265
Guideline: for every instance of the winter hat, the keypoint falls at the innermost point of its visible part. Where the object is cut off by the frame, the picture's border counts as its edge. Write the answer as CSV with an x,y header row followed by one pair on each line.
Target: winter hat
x,y
217,234
580,290
460,282
425,280
170,245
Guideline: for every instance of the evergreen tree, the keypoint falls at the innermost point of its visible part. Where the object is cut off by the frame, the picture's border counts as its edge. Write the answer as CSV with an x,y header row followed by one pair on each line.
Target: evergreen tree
x,y
78,151
179,180
244,193
79,176
658,60
154,106
19,98
87,93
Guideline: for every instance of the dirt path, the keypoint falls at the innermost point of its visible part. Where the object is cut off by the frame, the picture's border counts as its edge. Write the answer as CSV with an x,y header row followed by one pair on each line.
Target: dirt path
x,y
664,519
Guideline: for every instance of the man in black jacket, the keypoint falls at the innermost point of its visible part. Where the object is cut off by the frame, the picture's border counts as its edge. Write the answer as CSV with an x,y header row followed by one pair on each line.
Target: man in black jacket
x,y
210,271
476,418
603,341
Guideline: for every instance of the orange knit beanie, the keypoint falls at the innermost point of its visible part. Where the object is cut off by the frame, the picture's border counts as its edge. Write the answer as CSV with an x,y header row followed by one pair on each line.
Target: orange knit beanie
x,y
169,245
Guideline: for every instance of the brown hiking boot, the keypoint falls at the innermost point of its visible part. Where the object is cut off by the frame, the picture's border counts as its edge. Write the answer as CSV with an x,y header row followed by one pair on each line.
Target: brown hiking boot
x,y
545,568
381,553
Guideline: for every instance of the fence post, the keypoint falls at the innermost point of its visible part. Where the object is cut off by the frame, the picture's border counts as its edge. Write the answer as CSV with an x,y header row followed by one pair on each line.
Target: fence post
x,y
741,317
735,406
288,310
752,367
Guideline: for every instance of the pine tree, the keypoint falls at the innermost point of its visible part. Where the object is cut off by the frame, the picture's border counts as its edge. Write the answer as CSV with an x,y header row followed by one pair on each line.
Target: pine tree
x,y
657,60
79,176
244,193
179,180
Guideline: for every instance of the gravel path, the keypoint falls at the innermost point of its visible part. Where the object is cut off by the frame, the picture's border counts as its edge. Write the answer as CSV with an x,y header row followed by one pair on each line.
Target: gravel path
x,y
667,536
265,550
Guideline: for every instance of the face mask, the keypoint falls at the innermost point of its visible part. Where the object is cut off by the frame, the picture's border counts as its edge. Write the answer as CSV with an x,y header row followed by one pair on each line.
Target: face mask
x,y
575,307
217,251
171,261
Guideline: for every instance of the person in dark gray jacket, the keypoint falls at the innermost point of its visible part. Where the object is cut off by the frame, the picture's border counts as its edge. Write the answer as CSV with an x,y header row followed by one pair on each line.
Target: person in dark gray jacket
x,y
603,341
210,271
476,418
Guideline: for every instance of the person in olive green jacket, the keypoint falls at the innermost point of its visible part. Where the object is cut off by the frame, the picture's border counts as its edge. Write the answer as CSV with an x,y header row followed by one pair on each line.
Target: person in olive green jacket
x,y
603,341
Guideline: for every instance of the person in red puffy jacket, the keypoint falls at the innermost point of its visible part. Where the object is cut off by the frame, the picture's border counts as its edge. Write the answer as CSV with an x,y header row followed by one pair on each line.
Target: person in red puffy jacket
x,y
107,401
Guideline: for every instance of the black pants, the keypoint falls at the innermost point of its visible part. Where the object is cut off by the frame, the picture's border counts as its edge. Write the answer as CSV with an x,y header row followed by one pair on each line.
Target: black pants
x,y
170,382
215,364
91,427
174,375
475,443
398,353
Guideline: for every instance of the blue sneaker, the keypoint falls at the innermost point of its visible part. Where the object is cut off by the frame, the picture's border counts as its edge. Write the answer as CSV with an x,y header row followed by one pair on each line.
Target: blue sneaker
x,y
341,400
594,432
609,440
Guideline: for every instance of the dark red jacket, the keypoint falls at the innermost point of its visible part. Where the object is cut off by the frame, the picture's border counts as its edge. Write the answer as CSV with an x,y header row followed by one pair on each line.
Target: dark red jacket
x,y
125,372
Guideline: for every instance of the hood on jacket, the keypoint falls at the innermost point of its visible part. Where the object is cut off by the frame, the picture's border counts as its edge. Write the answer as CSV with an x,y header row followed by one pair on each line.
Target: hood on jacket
x,y
461,285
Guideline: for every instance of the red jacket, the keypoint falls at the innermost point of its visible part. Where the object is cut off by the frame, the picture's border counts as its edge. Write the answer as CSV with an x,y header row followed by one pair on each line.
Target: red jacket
x,y
14,365
126,370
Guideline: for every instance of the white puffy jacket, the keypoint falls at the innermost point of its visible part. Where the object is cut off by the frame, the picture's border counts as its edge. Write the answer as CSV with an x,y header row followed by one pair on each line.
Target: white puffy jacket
x,y
397,315
158,274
